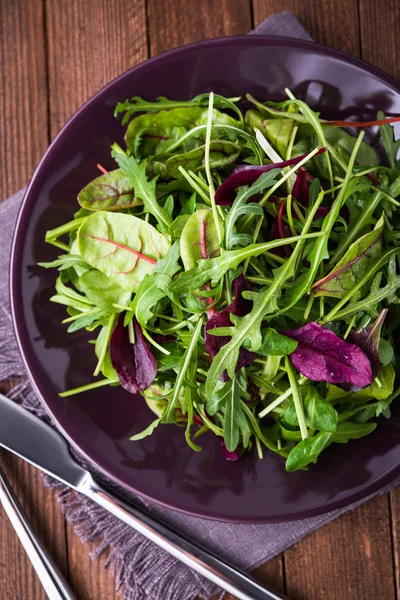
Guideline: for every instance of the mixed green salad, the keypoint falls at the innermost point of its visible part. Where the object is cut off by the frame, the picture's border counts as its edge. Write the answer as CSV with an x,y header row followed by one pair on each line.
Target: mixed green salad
x,y
238,266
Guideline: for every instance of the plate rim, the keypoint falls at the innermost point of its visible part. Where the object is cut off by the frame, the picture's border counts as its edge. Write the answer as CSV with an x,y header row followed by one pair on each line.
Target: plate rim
x,y
261,40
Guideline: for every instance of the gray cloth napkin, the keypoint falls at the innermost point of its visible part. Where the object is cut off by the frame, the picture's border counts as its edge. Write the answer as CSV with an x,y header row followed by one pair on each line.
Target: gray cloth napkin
x,y
141,569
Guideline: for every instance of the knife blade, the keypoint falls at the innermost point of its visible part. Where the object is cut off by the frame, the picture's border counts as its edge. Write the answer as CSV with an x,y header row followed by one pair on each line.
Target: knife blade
x,y
36,442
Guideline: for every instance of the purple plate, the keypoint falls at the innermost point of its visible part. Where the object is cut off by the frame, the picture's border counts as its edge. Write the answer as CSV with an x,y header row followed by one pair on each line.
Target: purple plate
x,y
99,423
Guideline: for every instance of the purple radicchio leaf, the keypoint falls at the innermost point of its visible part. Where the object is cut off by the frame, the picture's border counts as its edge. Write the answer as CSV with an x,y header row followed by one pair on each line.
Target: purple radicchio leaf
x,y
248,174
231,456
368,340
134,363
322,356
239,307
301,193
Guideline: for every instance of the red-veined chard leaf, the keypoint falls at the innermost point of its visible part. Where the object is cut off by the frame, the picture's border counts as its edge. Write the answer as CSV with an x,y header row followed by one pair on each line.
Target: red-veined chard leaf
x,y
110,191
368,340
239,307
199,238
222,153
322,356
134,363
278,131
121,246
247,174
148,135
354,265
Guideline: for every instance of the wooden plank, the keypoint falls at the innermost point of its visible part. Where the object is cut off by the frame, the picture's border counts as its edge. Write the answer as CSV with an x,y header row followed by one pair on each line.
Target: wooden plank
x,y
379,26
24,126
17,577
324,20
176,22
342,560
89,43
23,95
395,521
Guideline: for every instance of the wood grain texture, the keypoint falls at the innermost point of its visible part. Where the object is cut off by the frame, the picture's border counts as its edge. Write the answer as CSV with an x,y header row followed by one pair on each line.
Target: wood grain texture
x,y
89,44
349,558
379,27
23,93
23,139
17,578
331,23
394,499
176,22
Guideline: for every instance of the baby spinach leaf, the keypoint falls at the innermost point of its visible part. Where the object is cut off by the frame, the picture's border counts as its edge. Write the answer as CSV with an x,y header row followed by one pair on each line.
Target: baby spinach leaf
x,y
385,351
276,344
351,431
307,451
319,413
144,189
353,266
102,291
111,191
122,247
222,153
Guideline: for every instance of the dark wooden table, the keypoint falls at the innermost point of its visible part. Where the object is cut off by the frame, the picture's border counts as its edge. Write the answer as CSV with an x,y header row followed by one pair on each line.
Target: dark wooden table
x,y
54,54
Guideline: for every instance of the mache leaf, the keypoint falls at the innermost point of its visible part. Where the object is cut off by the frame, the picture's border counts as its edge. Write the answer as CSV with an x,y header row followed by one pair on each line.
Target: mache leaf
x,y
103,291
276,344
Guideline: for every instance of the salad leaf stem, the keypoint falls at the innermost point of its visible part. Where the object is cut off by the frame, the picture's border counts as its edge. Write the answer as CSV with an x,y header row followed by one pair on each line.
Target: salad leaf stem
x,y
208,170
88,387
194,185
296,398
106,342
174,401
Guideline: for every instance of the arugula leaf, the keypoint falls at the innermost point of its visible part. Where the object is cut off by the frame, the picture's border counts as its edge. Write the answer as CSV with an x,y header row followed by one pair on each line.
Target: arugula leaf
x,y
153,287
213,269
144,189
146,432
391,145
222,153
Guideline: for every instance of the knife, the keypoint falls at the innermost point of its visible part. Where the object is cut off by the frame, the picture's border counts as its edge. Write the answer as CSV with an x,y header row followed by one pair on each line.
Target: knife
x,y
36,442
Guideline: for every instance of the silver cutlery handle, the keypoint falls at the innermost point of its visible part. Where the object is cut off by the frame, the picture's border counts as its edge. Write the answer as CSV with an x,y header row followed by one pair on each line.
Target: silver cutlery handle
x,y
50,577
204,562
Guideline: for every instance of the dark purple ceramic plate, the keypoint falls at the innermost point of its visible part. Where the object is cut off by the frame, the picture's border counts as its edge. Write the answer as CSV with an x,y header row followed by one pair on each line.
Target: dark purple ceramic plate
x,y
163,467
